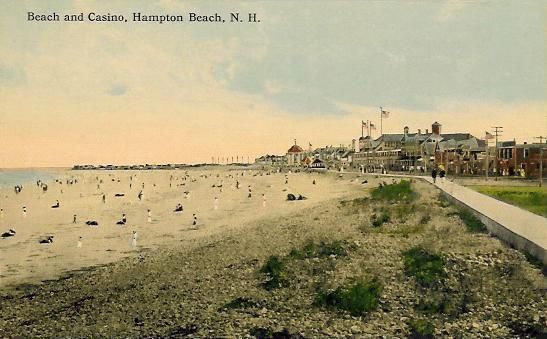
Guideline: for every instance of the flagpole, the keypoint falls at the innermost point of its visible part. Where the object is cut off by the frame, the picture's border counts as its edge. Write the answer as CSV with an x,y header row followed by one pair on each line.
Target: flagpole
x,y
381,127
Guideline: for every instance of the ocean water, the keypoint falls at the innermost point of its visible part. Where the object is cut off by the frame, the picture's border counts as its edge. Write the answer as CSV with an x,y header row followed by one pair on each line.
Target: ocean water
x,y
26,176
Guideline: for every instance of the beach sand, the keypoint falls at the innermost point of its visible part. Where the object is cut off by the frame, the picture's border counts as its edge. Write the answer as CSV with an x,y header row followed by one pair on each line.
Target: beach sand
x,y
24,260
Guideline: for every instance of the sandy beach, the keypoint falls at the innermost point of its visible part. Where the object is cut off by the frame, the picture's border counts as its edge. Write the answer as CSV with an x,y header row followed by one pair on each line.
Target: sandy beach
x,y
24,260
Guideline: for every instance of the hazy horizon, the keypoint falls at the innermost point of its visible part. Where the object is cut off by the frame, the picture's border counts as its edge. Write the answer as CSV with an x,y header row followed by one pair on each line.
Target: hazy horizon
x,y
135,93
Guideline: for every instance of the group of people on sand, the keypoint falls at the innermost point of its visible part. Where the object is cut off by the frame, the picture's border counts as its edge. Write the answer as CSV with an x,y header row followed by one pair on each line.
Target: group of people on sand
x,y
123,221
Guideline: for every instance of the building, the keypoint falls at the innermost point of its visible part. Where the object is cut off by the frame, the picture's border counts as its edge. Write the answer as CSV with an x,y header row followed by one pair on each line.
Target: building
x,y
519,159
295,155
318,164
271,160
458,152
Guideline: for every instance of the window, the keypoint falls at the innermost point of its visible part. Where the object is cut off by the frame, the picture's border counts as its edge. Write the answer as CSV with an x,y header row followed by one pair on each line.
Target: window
x,y
526,152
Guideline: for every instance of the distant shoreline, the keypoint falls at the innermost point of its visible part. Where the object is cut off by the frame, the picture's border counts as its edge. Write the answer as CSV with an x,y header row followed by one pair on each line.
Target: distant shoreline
x,y
151,167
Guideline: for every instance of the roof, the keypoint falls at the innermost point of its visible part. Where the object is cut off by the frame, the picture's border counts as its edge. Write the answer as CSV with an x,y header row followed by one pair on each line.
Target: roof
x,y
412,137
456,136
506,143
535,145
391,137
295,149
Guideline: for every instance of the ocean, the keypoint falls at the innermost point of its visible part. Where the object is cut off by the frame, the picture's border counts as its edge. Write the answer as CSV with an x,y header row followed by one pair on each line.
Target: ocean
x,y
26,176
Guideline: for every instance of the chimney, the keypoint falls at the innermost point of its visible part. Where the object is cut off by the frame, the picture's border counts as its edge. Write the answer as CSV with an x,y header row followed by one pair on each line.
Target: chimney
x,y
420,131
436,128
426,131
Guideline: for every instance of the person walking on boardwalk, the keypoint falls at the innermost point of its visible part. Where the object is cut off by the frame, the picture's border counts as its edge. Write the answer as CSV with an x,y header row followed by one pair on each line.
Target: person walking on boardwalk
x,y
434,174
442,172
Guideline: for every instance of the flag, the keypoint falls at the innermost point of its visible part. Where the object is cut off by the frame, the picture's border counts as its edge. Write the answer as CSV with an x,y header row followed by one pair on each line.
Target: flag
x,y
364,124
488,136
372,126
385,114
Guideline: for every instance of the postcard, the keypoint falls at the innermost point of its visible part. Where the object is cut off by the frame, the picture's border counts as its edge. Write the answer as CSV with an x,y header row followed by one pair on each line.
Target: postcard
x,y
273,169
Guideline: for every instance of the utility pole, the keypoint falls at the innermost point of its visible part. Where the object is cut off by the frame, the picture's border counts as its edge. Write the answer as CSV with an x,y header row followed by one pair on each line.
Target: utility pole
x,y
487,159
540,159
497,132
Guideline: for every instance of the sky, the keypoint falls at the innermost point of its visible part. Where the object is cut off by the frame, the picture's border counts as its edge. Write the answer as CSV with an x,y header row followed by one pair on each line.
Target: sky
x,y
124,93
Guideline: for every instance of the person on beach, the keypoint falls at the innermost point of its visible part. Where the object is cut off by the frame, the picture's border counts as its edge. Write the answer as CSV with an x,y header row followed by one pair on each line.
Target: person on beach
x,y
140,195
186,195
104,198
56,204
149,216
74,219
79,244
1,213
237,184
48,240
195,221
178,208
123,221
10,233
134,237
434,174
263,200
216,204
24,212
250,192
